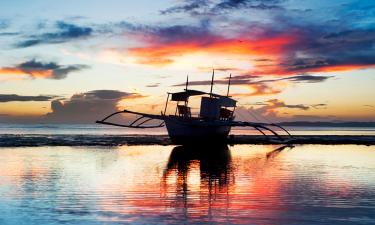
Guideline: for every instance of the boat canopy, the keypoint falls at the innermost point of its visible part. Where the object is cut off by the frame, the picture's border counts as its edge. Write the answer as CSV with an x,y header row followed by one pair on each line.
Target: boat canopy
x,y
227,102
184,96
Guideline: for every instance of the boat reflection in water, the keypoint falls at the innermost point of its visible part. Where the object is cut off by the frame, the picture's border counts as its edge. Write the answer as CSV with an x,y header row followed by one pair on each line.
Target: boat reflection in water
x,y
197,179
200,182
243,184
214,168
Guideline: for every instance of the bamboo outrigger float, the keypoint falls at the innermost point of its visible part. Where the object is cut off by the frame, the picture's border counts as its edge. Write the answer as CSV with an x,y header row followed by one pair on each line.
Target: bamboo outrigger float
x,y
213,123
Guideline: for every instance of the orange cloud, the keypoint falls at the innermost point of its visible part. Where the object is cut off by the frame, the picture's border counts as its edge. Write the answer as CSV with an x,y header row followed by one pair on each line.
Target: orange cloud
x,y
34,73
334,68
258,90
279,70
166,53
287,53
38,69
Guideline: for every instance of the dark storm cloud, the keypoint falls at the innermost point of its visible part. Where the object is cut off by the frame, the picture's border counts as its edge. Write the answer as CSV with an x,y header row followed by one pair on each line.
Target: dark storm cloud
x,y
305,78
49,70
65,32
153,85
270,110
340,41
9,33
246,79
4,24
308,47
252,80
169,33
188,6
107,94
223,69
253,4
25,98
207,7
79,108
275,103
318,49
295,43
88,107
319,106
181,33
330,50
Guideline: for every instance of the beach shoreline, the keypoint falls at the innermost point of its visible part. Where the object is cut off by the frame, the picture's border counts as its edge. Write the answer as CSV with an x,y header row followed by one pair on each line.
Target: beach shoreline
x,y
33,140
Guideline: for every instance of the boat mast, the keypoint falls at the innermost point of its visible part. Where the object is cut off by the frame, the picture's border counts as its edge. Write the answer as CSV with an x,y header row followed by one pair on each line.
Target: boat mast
x,y
166,104
230,76
186,89
187,82
212,82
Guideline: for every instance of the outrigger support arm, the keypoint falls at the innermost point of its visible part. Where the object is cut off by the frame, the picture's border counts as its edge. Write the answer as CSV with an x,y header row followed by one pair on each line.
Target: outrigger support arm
x,y
136,120
264,134
153,116
132,124
259,126
122,125
282,128
110,115
270,130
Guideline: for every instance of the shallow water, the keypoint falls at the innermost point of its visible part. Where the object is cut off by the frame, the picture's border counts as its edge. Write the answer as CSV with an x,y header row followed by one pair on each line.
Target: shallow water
x,y
97,129
243,184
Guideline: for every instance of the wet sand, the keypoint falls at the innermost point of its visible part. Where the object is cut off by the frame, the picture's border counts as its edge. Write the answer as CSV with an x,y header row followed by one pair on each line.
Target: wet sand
x,y
13,140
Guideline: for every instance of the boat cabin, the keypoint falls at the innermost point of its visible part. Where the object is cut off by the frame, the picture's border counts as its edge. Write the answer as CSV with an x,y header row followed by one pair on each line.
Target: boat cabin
x,y
212,106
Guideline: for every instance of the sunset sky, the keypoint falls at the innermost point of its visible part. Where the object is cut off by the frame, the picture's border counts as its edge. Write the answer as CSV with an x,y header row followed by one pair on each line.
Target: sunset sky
x,y
75,61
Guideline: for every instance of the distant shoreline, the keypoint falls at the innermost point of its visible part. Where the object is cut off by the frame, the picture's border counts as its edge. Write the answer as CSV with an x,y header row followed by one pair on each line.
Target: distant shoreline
x,y
327,124
34,140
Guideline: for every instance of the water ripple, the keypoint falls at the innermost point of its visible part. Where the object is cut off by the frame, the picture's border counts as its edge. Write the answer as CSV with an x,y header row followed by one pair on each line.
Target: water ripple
x,y
309,184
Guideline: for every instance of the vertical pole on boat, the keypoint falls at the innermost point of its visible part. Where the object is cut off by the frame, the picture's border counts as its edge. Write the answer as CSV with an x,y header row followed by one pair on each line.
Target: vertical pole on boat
x,y
230,76
187,82
186,89
212,82
166,104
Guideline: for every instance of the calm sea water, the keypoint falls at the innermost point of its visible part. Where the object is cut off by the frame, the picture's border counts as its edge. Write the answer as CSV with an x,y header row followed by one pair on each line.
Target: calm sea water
x,y
96,129
243,184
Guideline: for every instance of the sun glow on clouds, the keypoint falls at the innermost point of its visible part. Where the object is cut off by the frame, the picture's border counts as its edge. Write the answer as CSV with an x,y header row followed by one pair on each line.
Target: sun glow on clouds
x,y
35,73
39,69
272,51
267,52
107,56
205,62
24,108
162,54
231,55
258,90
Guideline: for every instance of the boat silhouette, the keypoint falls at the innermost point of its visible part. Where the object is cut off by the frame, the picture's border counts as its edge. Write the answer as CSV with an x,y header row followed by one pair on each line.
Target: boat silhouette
x,y
212,124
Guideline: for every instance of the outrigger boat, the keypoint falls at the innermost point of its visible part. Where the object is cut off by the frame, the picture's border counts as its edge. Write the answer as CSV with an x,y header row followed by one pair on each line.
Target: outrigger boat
x,y
213,123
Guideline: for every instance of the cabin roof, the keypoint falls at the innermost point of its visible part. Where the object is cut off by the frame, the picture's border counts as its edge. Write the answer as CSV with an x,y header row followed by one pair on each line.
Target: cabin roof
x,y
184,95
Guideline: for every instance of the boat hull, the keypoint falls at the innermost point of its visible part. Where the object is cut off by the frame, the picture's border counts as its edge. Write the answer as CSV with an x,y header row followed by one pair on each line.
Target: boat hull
x,y
184,131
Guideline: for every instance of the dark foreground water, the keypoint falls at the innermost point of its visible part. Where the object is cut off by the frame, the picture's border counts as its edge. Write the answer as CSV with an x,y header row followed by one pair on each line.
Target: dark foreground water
x,y
244,184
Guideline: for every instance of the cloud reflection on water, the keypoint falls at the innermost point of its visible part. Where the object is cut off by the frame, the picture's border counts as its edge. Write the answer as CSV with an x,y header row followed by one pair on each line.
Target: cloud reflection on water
x,y
164,184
